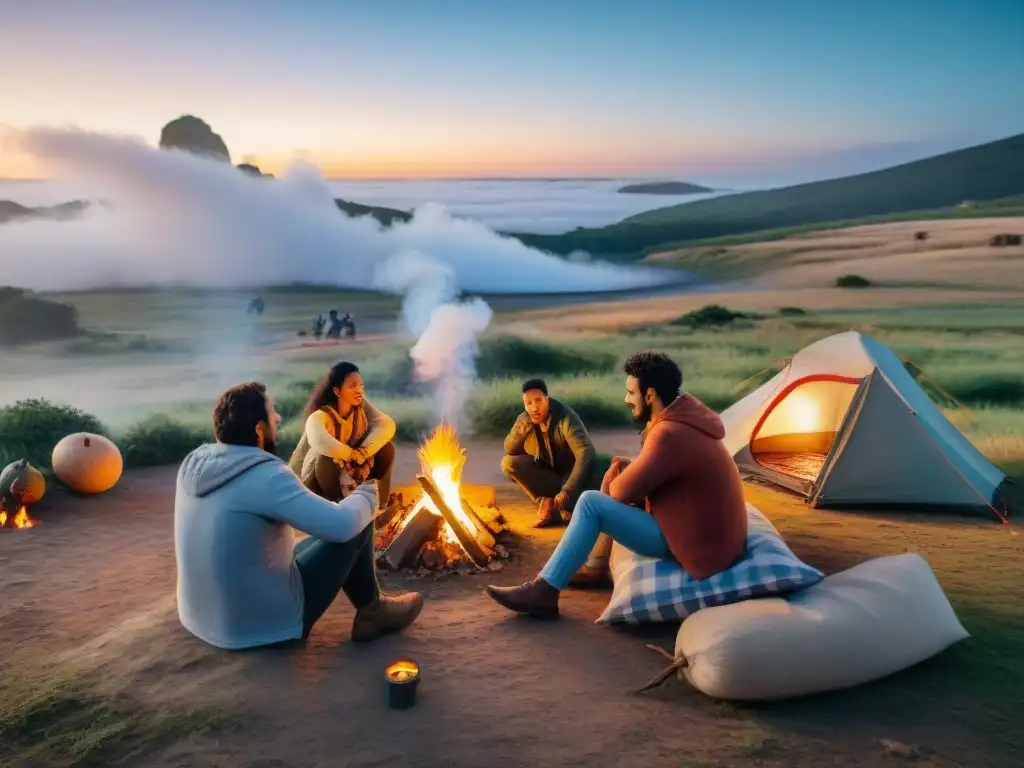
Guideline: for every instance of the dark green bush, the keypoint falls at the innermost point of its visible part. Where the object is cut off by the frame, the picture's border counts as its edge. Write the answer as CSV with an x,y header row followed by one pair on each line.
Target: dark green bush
x,y
852,281
31,428
792,312
709,316
505,356
160,440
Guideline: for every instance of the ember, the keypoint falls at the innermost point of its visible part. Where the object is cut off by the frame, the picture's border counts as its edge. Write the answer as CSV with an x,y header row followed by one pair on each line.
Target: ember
x,y
440,530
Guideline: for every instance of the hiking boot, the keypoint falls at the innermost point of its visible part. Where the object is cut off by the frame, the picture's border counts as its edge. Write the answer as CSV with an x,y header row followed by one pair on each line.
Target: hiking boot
x,y
388,614
546,514
589,576
535,598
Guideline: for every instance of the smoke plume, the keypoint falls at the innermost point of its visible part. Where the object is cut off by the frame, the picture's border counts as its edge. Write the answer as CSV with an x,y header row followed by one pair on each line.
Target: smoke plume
x,y
169,217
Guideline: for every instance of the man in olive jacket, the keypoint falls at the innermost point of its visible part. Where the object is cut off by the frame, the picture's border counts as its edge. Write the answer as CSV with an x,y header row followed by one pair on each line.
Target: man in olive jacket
x,y
549,454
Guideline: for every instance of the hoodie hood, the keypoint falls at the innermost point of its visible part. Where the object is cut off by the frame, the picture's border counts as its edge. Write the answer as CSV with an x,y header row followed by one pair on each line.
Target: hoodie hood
x,y
213,465
686,409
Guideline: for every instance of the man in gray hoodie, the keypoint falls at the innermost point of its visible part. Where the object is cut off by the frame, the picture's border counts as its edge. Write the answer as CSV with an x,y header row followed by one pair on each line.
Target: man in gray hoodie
x,y
242,581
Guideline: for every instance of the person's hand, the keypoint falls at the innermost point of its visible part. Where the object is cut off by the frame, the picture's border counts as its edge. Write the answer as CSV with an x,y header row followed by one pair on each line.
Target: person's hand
x,y
523,425
614,470
359,472
559,502
358,456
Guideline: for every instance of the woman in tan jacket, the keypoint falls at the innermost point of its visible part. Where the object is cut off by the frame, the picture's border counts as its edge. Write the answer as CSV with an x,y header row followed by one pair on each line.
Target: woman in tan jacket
x,y
346,441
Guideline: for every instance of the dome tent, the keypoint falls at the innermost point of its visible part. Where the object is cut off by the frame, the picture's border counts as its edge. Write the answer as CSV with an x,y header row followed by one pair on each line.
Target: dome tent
x,y
845,425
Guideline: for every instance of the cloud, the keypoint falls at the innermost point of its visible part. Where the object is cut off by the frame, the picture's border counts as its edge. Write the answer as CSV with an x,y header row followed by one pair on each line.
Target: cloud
x,y
174,218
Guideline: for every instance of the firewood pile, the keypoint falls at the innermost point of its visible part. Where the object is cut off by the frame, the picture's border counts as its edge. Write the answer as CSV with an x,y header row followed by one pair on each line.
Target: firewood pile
x,y
412,536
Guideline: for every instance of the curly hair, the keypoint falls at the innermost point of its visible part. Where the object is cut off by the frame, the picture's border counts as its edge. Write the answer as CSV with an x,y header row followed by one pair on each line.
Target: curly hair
x,y
323,393
656,371
238,411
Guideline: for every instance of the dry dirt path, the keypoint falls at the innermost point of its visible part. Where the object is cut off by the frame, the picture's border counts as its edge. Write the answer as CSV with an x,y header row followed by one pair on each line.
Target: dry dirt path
x,y
93,585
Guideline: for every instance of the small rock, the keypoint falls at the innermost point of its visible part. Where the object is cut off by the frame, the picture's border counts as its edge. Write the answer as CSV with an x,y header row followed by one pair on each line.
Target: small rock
x,y
899,749
500,551
494,565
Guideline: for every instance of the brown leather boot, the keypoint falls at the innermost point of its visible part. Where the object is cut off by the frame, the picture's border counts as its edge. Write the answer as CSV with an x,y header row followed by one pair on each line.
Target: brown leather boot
x,y
589,576
546,514
389,614
535,598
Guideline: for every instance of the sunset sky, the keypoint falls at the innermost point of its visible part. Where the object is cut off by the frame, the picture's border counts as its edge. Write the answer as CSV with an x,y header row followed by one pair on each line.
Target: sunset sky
x,y
443,88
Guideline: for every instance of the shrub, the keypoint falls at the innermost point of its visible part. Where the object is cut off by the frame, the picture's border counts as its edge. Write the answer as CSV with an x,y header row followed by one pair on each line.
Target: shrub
x,y
503,356
31,428
26,318
792,312
985,388
710,316
921,235
852,281
160,440
999,240
291,404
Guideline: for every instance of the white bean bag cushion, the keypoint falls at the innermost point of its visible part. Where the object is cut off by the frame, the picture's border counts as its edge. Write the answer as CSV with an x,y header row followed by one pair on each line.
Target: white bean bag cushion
x,y
651,590
855,626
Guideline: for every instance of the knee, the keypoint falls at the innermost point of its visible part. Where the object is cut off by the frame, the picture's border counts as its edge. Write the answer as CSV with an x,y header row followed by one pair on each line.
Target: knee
x,y
588,503
385,457
509,464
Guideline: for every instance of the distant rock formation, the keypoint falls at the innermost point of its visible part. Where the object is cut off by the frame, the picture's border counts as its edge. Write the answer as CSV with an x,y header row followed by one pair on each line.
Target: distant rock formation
x,y
254,170
664,188
12,211
194,135
386,216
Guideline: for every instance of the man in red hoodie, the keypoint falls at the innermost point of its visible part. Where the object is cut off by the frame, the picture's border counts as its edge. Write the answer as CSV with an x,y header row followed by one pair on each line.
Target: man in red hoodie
x,y
693,509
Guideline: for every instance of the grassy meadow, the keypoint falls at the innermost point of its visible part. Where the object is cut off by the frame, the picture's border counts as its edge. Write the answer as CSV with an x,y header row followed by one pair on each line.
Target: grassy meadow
x,y
971,357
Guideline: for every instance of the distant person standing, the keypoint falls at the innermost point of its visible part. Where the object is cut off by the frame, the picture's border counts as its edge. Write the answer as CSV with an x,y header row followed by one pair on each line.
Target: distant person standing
x,y
549,454
257,305
319,323
335,325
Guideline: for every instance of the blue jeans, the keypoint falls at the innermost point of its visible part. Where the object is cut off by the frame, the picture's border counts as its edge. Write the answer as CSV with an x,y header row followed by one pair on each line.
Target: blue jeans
x,y
596,513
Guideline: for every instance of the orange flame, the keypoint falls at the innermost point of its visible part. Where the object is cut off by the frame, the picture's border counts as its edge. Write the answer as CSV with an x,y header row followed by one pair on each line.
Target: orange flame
x,y
20,519
442,460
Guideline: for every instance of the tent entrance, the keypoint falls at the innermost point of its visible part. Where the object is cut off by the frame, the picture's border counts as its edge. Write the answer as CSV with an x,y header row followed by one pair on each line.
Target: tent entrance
x,y
794,435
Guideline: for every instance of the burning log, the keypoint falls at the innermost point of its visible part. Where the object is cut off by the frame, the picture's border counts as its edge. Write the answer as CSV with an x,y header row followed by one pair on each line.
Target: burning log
x,y
484,535
469,540
422,525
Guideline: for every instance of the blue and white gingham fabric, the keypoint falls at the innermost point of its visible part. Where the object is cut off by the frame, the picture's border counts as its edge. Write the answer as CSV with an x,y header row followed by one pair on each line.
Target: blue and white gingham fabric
x,y
651,590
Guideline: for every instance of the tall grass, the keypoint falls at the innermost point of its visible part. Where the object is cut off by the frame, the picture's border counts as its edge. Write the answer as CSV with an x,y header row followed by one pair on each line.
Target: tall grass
x,y
976,373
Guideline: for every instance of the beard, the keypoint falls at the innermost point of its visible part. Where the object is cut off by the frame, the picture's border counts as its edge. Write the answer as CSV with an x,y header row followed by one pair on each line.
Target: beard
x,y
644,416
270,446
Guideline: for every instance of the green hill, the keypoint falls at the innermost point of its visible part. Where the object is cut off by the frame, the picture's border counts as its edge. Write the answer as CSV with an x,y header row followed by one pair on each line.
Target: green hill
x,y
981,173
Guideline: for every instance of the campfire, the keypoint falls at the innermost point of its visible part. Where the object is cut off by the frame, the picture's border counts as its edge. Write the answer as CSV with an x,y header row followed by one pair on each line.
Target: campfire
x,y
21,484
19,519
440,530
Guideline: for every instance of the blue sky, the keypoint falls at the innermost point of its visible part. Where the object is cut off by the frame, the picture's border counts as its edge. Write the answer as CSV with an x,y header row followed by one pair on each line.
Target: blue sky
x,y
594,87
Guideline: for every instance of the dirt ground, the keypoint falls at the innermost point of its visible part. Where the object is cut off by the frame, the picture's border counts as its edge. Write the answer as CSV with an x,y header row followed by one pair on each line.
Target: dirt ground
x,y
93,585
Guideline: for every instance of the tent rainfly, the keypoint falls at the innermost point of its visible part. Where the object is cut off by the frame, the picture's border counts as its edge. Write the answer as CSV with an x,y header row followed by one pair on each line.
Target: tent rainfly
x,y
845,425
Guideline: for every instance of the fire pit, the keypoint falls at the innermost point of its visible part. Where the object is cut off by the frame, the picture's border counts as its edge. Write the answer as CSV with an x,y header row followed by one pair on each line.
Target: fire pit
x,y
440,530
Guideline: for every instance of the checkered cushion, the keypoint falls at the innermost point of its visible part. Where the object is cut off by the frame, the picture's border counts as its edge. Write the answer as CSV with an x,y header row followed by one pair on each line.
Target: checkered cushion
x,y
652,590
